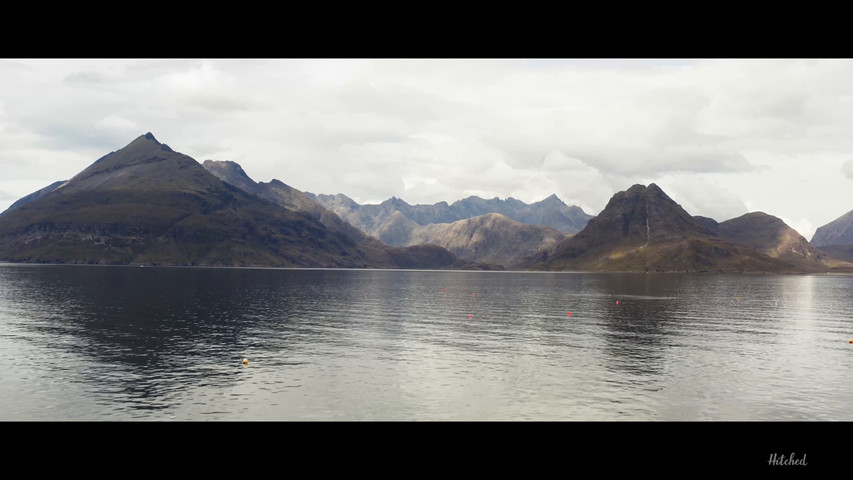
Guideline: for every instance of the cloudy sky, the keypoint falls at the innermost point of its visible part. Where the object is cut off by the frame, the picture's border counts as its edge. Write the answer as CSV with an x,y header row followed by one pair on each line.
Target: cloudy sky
x,y
721,137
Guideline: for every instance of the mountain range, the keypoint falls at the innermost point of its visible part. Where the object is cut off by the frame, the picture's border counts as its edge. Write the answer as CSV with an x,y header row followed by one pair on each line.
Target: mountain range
x,y
491,238
147,204
642,229
378,220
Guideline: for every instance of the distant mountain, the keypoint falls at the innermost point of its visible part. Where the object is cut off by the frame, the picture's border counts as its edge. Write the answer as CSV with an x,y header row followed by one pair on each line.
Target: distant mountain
x,y
491,238
289,197
836,232
481,235
147,204
642,229
36,195
372,219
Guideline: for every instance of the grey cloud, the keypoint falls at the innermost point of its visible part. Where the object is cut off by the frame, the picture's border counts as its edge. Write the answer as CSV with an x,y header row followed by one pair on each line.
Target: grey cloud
x,y
661,162
13,67
85,78
219,102
410,105
62,135
847,169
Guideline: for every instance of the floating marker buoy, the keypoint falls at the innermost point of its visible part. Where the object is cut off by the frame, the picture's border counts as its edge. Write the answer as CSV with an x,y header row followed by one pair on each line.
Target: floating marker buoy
x,y
245,361
851,340
570,314
473,294
469,315
617,302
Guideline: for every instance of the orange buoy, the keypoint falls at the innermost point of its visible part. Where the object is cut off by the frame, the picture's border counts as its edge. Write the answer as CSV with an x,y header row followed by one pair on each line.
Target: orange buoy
x,y
245,361
851,340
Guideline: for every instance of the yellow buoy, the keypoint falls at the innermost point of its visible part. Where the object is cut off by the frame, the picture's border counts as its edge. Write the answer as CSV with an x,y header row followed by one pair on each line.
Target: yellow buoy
x,y
245,361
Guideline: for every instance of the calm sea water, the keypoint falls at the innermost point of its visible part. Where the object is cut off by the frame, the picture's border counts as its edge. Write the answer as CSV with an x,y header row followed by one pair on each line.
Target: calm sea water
x,y
126,343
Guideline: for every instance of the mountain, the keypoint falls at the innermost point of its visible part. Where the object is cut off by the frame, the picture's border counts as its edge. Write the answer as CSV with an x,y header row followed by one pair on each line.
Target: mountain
x,y
841,252
642,229
289,197
147,204
285,196
481,235
491,238
771,236
36,195
836,232
371,219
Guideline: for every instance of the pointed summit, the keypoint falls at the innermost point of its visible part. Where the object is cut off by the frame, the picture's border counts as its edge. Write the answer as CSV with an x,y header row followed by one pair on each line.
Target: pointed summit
x,y
143,163
642,215
553,199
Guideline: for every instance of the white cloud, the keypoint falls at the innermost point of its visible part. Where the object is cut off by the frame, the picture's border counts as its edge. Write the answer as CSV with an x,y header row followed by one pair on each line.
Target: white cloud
x,y
699,196
117,123
803,226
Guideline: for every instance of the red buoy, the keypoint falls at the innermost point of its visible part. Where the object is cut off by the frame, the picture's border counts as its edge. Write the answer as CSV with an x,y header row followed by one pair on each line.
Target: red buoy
x,y
617,302
469,315
570,314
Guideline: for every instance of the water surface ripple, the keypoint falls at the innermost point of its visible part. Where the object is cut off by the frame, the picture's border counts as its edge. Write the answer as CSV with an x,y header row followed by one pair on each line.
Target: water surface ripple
x,y
126,343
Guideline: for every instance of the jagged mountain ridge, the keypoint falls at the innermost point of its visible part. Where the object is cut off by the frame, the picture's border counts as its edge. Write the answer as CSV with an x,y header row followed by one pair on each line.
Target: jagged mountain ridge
x,y
289,197
372,219
491,238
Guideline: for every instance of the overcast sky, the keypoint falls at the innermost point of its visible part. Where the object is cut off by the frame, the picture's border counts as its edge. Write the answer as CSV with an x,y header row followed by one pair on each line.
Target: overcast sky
x,y
721,137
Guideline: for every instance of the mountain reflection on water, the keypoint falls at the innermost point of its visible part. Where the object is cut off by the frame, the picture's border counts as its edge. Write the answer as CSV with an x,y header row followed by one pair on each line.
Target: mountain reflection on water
x,y
96,343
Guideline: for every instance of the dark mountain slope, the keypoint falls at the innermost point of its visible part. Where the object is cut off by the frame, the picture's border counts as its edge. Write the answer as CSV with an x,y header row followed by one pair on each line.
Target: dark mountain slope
x,y
642,229
147,204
